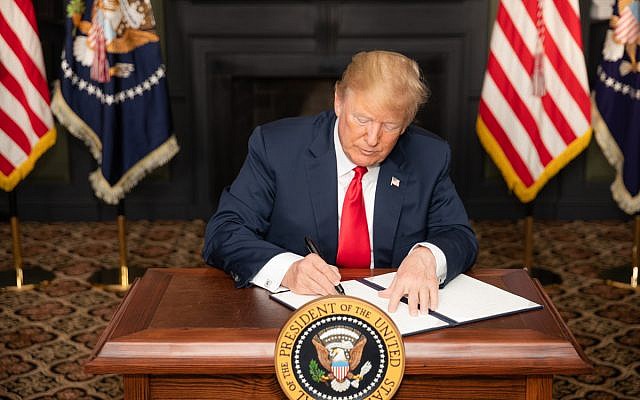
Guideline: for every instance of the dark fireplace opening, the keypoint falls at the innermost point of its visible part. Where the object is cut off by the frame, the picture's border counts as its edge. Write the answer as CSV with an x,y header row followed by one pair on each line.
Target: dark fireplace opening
x,y
257,100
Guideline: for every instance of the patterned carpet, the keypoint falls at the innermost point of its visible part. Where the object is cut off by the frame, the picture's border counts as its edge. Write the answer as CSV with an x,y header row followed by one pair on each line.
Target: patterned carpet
x,y
47,333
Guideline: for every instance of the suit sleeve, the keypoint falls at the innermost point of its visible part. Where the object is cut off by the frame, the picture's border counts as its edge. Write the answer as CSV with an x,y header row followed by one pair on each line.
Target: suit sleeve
x,y
234,238
448,225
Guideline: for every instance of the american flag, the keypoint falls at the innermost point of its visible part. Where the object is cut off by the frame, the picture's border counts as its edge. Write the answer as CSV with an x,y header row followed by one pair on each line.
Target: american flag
x,y
26,124
534,113
628,29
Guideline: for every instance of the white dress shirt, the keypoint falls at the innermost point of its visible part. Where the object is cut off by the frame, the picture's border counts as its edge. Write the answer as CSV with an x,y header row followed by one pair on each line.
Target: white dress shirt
x,y
270,276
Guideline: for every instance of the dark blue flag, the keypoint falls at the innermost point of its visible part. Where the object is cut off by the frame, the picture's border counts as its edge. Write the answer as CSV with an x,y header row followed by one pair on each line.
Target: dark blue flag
x,y
113,94
616,115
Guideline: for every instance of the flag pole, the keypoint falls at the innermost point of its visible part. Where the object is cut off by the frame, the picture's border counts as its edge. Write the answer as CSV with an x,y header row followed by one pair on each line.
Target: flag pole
x,y
545,276
34,275
528,239
635,257
15,238
118,278
626,276
122,241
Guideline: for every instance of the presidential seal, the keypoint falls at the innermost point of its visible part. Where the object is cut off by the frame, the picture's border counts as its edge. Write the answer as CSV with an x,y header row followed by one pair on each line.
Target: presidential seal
x,y
339,348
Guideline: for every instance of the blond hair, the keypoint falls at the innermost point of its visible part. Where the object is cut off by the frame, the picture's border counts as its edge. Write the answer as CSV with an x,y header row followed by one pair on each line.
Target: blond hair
x,y
394,80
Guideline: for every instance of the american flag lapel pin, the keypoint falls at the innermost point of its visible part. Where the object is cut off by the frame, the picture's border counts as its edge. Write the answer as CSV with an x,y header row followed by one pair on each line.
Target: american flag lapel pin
x,y
395,182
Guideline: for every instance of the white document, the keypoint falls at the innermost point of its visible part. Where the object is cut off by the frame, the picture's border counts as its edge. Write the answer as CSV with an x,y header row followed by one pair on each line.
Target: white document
x,y
467,299
464,299
404,321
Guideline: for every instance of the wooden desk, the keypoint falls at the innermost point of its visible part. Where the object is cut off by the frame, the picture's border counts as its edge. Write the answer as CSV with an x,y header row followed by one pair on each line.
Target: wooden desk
x,y
187,333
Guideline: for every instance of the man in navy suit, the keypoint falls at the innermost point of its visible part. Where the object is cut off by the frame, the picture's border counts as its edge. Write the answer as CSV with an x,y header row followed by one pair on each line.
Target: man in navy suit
x,y
305,177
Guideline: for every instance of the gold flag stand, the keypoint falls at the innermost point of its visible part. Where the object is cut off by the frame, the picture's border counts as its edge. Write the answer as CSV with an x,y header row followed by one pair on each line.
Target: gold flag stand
x,y
118,278
545,276
20,279
626,276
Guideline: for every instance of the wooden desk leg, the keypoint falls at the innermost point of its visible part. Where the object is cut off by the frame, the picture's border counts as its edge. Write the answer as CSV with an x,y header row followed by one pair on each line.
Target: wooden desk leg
x,y
136,387
539,387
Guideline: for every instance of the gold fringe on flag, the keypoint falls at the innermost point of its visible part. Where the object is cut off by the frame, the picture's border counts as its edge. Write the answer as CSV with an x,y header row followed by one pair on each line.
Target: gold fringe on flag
x,y
103,190
514,183
8,183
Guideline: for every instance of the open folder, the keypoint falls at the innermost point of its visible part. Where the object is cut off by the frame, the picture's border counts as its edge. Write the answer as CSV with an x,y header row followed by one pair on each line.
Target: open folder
x,y
463,300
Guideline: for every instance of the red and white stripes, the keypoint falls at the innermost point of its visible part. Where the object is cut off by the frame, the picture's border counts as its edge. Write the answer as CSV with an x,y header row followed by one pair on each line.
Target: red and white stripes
x,y
100,65
26,124
628,29
532,133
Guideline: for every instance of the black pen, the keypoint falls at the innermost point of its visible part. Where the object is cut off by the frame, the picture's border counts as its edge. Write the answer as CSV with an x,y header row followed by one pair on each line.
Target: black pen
x,y
312,248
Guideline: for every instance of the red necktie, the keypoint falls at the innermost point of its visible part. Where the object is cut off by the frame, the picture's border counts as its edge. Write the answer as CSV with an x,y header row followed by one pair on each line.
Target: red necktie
x,y
354,250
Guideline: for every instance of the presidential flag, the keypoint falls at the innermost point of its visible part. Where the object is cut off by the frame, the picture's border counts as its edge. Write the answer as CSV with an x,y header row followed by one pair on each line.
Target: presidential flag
x,y
616,103
113,93
26,124
534,112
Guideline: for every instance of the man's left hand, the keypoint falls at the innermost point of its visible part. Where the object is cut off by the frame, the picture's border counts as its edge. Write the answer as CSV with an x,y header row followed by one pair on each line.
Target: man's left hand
x,y
417,279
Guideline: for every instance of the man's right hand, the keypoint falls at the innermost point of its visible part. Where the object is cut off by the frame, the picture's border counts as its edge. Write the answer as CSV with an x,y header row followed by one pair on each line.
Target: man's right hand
x,y
311,275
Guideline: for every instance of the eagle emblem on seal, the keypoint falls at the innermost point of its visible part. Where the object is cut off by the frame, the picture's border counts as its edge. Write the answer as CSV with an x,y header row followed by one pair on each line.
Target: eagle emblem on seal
x,y
339,349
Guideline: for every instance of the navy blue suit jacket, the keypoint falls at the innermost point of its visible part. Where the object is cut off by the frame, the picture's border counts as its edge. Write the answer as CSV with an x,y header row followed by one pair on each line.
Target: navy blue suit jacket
x,y
287,189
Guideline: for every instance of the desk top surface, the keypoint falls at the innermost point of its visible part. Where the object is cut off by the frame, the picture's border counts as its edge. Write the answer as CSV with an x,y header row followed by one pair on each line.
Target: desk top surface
x,y
193,321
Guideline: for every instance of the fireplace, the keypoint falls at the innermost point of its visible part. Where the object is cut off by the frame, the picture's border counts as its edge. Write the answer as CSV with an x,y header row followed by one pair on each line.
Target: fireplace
x,y
234,65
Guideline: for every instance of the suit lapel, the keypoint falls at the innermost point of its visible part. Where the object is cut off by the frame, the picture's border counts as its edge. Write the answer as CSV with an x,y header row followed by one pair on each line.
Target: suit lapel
x,y
388,205
323,191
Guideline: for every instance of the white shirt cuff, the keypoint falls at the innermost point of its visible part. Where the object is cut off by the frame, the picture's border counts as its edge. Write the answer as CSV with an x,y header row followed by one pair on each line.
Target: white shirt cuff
x,y
441,259
270,276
